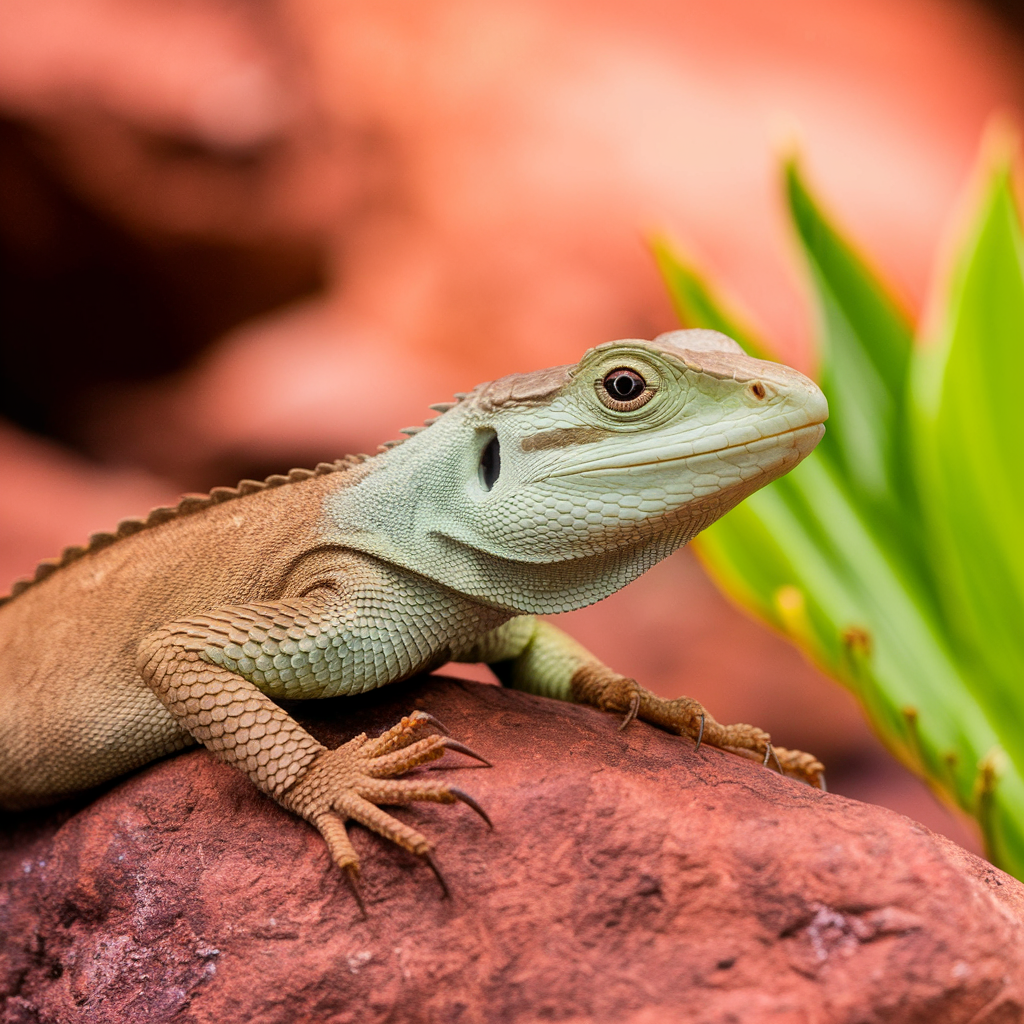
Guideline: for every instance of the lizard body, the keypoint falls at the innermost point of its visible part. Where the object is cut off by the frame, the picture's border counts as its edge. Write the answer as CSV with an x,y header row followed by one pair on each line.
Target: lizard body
x,y
536,493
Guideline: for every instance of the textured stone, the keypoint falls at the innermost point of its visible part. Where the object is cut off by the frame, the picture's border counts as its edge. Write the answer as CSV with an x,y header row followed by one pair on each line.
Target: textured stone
x,y
628,879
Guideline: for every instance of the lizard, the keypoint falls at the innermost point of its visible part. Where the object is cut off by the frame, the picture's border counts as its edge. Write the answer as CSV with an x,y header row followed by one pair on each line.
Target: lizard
x,y
533,494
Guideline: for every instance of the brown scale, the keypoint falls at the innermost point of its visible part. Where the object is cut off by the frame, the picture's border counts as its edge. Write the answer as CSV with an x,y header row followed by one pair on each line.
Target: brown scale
x,y
191,503
243,727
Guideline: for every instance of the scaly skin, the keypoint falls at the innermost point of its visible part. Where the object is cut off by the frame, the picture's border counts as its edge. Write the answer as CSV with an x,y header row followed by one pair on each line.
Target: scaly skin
x,y
534,494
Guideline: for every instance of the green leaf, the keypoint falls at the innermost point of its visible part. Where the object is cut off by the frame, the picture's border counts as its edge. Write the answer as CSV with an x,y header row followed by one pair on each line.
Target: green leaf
x,y
695,303
865,355
862,626
969,433
924,625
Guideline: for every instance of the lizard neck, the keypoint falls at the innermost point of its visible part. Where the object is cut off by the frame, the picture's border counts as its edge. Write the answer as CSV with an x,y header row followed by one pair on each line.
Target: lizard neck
x,y
405,510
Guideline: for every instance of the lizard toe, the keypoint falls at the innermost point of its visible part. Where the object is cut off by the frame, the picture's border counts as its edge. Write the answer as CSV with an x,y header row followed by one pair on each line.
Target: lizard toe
x,y
345,784
411,735
598,686
408,731
798,764
399,761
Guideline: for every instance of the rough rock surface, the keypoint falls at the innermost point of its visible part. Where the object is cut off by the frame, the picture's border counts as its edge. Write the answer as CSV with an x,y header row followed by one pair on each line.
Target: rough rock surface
x,y
628,878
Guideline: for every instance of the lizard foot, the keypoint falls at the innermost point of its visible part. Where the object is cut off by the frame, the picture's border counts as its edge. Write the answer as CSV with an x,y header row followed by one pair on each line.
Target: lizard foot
x,y
348,783
608,691
409,730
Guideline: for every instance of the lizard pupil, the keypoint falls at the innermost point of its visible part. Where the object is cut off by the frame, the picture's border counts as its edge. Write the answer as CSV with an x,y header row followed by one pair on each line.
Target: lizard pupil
x,y
490,463
624,385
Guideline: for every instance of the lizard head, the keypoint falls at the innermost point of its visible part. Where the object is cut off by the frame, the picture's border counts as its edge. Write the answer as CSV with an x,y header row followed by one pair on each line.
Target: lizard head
x,y
549,490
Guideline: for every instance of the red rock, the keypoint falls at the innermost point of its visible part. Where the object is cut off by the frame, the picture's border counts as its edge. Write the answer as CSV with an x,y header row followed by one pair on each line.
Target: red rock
x,y
628,878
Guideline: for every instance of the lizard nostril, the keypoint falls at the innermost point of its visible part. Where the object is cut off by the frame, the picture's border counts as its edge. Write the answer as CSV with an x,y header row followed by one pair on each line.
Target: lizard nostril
x,y
757,389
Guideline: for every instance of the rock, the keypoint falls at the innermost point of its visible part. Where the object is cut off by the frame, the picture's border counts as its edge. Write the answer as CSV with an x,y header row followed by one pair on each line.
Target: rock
x,y
628,878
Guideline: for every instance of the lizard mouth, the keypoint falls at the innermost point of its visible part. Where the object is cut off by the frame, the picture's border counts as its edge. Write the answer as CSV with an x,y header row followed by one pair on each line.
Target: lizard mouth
x,y
805,437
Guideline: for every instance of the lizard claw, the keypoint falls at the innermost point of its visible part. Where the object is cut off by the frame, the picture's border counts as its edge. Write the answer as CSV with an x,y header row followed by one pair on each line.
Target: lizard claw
x,y
461,748
429,719
349,783
432,864
352,877
632,711
770,755
470,802
795,764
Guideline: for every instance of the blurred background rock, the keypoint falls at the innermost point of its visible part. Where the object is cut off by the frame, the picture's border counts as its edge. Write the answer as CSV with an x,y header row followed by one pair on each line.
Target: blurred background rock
x,y
242,235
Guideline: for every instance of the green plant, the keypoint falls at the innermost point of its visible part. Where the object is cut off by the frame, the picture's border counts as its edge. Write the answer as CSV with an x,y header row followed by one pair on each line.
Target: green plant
x,y
894,555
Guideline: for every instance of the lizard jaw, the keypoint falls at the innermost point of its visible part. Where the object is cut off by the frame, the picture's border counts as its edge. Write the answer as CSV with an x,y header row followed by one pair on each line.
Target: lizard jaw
x,y
804,438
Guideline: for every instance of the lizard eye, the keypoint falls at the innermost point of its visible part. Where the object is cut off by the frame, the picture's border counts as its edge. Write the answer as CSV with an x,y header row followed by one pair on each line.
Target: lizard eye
x,y
624,390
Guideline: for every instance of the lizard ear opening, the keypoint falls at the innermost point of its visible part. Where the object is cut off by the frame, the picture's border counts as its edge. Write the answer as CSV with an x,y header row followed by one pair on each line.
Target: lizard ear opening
x,y
490,463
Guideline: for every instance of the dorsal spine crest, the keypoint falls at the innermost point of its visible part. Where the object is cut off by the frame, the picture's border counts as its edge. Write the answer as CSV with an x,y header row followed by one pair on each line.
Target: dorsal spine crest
x,y
192,503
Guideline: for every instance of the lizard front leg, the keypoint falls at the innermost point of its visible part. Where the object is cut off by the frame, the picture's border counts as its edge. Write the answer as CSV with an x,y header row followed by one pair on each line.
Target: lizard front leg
x,y
533,655
211,673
